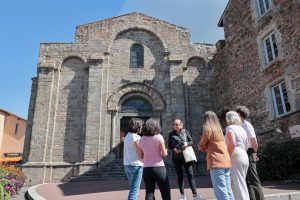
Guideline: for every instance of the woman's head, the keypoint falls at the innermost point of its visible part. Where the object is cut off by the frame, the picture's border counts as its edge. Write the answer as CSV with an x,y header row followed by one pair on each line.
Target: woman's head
x,y
177,125
135,125
232,118
151,127
212,127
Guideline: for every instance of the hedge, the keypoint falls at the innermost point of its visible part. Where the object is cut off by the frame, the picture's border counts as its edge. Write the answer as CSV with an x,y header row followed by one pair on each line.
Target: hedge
x,y
280,160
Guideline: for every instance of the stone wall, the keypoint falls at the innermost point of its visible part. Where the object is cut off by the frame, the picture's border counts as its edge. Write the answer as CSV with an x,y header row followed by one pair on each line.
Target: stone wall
x,y
241,73
80,88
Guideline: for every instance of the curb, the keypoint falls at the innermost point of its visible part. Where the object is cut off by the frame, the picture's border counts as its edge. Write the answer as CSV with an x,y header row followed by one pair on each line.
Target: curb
x,y
33,195
280,196
283,196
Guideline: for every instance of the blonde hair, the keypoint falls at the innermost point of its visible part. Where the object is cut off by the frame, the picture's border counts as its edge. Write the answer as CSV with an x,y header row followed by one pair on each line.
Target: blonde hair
x,y
212,127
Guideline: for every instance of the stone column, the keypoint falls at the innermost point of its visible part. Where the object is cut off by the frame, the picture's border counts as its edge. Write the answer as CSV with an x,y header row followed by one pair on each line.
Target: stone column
x,y
93,119
30,119
35,168
113,130
41,117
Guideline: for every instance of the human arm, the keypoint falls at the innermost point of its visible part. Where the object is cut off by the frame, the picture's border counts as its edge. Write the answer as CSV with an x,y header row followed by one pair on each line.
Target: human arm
x,y
189,139
230,142
162,147
138,149
202,146
251,134
254,143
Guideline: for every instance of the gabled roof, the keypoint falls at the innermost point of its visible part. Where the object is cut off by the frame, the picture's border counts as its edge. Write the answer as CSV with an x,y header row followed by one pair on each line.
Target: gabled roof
x,y
9,113
137,14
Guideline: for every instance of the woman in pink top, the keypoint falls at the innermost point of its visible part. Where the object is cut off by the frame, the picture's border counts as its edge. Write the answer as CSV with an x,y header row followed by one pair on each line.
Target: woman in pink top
x,y
152,147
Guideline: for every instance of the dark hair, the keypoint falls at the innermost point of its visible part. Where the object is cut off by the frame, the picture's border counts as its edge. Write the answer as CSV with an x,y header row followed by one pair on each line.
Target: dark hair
x,y
222,114
134,125
243,111
151,127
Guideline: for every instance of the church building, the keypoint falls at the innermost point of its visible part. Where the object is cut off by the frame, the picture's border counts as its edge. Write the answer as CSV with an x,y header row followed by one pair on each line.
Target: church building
x,y
85,92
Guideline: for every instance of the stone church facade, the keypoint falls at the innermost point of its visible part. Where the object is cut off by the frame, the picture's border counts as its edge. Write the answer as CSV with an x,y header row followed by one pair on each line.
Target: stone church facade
x,y
85,92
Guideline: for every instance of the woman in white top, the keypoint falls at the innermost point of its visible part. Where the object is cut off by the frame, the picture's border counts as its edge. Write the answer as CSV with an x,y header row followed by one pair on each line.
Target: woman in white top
x,y
132,162
237,144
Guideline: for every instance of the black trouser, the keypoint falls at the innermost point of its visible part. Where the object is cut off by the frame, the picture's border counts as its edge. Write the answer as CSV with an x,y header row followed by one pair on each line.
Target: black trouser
x,y
252,180
152,175
178,163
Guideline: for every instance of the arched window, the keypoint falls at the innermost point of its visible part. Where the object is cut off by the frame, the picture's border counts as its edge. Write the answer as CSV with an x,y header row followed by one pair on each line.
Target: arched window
x,y
136,104
137,56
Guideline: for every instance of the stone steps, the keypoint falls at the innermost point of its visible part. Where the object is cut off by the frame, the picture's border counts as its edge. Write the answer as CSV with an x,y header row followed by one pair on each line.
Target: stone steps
x,y
114,170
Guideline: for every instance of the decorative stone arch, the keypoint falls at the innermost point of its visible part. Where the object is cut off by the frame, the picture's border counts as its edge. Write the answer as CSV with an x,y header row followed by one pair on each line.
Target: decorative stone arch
x,y
131,95
147,30
154,97
196,61
65,58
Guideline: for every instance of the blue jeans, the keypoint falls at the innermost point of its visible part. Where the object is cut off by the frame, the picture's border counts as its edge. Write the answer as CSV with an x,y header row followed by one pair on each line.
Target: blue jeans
x,y
220,178
134,175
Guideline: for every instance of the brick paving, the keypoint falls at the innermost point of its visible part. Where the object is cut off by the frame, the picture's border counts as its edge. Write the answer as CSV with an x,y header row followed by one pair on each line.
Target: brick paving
x,y
116,190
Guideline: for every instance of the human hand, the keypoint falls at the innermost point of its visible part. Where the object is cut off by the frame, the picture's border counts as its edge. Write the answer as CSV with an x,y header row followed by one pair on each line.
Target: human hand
x,y
176,150
185,145
256,158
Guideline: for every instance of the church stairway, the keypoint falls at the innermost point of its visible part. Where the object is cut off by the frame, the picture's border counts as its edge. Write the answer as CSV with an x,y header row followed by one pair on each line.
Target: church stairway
x,y
114,170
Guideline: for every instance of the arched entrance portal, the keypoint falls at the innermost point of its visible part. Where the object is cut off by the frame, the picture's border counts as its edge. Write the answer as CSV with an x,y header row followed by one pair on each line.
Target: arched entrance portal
x,y
133,106
131,100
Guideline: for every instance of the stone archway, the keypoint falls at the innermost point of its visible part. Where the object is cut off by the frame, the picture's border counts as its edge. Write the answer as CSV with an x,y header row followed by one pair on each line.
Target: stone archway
x,y
146,90
146,95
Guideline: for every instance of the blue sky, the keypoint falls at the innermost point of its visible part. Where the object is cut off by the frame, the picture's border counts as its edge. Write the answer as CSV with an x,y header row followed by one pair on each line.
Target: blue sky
x,y
25,24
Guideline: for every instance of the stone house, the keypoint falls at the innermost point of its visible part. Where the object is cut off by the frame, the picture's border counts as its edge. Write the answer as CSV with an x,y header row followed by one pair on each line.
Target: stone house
x,y
258,65
85,92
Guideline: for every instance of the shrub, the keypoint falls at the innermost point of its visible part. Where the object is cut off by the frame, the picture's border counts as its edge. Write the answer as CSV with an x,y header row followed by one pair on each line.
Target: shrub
x,y
280,160
11,181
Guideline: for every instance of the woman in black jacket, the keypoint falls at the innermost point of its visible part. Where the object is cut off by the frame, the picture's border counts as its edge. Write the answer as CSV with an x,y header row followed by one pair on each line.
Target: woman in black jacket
x,y
179,139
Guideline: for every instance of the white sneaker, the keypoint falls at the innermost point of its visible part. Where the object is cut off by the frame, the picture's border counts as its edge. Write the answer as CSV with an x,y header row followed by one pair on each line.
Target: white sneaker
x,y
197,197
182,197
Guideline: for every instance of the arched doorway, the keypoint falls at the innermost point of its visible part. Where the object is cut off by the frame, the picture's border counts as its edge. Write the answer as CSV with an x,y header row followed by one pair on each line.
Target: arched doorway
x,y
132,106
131,100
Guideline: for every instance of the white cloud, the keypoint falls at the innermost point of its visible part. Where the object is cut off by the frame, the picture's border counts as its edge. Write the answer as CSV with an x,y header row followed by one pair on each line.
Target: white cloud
x,y
200,16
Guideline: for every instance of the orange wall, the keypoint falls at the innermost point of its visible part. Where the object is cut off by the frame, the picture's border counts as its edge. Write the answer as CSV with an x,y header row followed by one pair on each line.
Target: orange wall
x,y
11,142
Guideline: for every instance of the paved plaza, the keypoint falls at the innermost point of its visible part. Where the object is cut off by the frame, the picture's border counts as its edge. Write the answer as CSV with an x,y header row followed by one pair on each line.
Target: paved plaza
x,y
116,190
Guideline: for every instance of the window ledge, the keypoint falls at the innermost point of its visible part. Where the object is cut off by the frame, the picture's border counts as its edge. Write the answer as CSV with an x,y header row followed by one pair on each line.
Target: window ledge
x,y
285,115
270,64
261,17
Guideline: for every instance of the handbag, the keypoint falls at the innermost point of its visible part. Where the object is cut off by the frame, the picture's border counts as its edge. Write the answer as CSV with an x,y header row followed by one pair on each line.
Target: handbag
x,y
189,154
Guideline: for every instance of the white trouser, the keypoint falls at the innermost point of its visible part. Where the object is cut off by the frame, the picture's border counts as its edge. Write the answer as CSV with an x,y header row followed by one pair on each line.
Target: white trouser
x,y
240,163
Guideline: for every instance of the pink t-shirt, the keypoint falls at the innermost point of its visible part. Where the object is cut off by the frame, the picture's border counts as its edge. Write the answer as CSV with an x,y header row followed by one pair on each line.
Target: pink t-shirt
x,y
150,147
